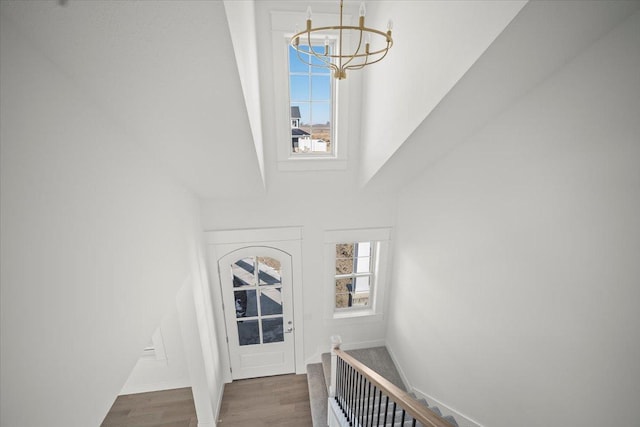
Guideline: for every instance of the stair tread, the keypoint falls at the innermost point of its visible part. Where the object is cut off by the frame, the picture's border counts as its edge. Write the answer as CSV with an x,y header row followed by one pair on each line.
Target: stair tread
x,y
376,358
317,394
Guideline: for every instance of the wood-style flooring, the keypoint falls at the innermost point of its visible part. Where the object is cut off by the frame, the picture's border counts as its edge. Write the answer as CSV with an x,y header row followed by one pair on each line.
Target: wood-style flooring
x,y
167,408
281,401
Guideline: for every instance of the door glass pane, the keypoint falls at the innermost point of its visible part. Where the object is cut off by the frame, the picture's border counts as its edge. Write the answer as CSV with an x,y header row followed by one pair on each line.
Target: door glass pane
x,y
243,272
246,304
271,301
269,271
272,330
248,332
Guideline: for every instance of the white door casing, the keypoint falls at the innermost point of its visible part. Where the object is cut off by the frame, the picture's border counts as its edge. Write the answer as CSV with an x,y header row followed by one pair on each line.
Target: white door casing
x,y
222,243
257,292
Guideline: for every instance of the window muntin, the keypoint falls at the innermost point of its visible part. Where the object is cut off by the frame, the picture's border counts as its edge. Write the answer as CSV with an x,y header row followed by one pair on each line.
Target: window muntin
x,y
354,275
311,93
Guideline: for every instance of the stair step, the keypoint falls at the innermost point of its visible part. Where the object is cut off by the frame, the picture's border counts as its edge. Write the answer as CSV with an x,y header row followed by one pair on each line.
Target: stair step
x,y
326,368
317,394
451,420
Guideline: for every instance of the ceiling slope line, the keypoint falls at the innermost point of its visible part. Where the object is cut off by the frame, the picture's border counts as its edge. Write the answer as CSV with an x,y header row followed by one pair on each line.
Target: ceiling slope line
x,y
521,58
242,28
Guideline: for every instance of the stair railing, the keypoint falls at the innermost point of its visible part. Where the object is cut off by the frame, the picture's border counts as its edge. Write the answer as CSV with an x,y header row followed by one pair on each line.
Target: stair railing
x,y
365,398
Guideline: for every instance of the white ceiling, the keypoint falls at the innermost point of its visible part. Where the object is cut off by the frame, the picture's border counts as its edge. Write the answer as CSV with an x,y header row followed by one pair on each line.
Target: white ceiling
x,y
165,72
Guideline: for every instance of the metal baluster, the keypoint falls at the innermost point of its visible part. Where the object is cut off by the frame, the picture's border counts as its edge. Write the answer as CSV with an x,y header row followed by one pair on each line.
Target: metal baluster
x,y
373,405
368,398
386,407
339,383
393,415
402,421
352,395
349,391
363,385
380,405
413,424
357,401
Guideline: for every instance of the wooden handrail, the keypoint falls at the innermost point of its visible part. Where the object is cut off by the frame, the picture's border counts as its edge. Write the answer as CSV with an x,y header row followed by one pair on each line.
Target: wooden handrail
x,y
395,393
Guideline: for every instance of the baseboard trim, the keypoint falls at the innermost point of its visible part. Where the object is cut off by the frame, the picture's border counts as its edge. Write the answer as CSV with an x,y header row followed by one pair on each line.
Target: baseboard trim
x,y
316,358
403,377
461,419
218,406
361,344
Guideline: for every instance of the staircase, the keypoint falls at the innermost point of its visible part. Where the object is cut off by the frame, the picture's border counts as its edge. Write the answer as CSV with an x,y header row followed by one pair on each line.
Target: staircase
x,y
376,358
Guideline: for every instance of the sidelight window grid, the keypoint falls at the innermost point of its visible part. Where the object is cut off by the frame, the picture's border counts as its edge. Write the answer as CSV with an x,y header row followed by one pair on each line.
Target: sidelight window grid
x,y
354,275
311,99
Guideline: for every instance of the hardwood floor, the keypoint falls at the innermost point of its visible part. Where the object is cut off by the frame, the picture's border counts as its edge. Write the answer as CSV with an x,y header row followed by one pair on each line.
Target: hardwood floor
x,y
281,401
167,408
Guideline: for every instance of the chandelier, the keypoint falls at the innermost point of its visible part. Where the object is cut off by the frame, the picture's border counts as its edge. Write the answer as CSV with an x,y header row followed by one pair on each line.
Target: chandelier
x,y
343,58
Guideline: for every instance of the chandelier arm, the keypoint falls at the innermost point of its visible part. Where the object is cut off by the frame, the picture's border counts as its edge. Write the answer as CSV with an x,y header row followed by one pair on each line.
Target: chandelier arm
x,y
355,54
313,52
360,66
329,64
334,56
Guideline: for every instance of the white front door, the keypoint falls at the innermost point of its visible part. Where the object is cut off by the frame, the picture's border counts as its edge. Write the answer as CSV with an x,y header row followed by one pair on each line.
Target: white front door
x,y
257,295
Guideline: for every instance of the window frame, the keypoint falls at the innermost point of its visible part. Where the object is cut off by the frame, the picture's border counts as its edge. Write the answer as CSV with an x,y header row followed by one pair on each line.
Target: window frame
x,y
332,99
380,258
282,26
371,274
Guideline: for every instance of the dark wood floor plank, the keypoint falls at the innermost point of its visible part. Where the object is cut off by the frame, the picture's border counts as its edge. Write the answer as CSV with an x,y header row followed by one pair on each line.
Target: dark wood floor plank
x,y
165,408
281,401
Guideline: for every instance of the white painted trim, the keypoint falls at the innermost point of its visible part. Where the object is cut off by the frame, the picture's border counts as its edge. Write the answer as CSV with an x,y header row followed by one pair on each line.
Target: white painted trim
x,y
218,404
306,164
462,420
282,28
253,235
382,256
155,386
276,237
403,377
316,358
361,344
211,424
379,234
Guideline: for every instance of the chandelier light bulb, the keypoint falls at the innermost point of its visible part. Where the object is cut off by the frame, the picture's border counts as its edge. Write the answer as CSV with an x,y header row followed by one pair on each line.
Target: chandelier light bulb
x,y
340,58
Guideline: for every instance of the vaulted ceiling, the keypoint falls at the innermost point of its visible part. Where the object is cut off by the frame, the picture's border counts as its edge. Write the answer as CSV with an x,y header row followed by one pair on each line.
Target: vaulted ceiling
x,y
166,73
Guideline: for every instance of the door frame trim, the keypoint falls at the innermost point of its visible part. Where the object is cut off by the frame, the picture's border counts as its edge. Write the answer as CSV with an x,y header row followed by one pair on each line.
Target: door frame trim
x,y
221,242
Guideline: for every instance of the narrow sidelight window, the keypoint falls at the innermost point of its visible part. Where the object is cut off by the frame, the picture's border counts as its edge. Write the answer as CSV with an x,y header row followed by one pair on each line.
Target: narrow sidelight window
x,y
311,94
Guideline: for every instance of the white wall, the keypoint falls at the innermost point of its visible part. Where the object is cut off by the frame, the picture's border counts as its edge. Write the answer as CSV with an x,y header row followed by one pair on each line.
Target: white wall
x,y
314,214
95,244
516,296
435,42
168,369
